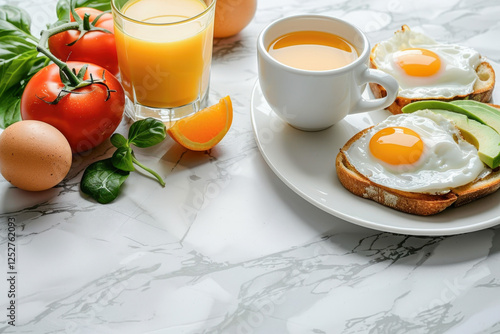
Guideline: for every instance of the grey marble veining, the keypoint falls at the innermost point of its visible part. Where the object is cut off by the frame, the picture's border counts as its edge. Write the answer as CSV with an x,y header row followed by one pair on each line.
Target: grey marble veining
x,y
226,247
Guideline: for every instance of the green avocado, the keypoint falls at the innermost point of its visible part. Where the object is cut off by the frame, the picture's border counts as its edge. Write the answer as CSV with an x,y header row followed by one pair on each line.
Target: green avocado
x,y
478,111
483,137
470,104
476,107
431,104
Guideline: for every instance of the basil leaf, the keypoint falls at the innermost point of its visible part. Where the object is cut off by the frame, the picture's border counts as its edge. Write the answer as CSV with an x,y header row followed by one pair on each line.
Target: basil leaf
x,y
118,140
147,132
17,56
15,21
122,159
40,62
19,61
102,181
10,107
10,111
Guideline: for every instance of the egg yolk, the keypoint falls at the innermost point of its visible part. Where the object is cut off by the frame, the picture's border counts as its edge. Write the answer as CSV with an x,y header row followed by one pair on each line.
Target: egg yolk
x,y
396,146
418,62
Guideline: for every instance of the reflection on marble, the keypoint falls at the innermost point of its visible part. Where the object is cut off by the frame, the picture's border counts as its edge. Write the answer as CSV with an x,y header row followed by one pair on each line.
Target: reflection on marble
x,y
226,247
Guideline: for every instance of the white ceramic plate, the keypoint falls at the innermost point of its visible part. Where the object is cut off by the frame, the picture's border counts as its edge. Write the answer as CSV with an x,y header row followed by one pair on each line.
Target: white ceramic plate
x,y
305,161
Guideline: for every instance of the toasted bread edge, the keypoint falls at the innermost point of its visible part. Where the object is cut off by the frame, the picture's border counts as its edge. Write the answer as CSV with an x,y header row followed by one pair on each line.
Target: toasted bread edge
x,y
409,202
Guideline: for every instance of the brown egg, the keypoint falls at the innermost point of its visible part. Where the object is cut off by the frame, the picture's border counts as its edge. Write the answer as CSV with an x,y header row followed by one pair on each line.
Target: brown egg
x,y
231,16
34,155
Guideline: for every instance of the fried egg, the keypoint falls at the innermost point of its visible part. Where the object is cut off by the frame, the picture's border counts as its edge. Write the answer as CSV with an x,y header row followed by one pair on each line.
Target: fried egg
x,y
420,152
425,68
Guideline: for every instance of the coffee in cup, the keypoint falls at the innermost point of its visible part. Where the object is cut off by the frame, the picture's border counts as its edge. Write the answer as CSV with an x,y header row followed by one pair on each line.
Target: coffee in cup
x,y
312,50
311,97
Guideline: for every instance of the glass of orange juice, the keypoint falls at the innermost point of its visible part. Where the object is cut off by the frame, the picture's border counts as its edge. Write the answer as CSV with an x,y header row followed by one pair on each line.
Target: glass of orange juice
x,y
164,53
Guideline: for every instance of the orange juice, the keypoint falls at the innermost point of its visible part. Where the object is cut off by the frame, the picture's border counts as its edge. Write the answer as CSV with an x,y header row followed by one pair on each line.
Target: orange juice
x,y
164,51
312,50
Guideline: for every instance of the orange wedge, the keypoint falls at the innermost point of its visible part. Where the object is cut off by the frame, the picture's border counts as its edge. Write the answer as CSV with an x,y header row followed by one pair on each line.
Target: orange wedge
x,y
204,129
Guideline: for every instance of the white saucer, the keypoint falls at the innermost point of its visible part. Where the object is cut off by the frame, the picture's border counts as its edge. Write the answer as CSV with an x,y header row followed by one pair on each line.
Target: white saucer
x,y
305,161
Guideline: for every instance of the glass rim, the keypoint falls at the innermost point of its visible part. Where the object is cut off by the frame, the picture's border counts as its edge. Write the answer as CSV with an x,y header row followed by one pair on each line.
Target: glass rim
x,y
204,12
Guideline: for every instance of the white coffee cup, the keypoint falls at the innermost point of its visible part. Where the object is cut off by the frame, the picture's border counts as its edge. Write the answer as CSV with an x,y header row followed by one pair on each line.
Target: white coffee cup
x,y
315,100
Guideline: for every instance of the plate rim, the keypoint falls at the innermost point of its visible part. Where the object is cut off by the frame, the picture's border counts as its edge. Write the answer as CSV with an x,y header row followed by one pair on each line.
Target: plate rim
x,y
451,230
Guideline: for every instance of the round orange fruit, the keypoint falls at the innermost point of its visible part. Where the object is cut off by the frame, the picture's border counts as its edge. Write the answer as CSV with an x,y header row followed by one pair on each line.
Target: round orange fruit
x,y
231,16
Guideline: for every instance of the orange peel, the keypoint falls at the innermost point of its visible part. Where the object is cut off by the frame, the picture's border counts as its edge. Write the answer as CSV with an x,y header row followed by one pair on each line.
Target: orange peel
x,y
206,128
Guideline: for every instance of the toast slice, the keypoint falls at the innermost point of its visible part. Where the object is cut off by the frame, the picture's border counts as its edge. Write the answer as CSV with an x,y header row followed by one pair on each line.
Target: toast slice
x,y
410,202
482,90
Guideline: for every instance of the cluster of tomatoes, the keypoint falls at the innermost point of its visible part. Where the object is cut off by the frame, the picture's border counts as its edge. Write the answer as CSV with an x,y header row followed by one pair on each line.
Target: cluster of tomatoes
x,y
89,115
86,115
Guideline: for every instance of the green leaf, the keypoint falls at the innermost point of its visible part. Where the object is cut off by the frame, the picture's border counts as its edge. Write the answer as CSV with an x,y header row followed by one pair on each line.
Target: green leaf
x,y
102,181
147,132
40,62
17,58
19,61
122,159
118,140
10,107
15,21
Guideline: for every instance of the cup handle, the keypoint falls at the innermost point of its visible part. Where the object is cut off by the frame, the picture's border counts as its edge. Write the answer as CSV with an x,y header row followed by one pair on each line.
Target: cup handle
x,y
387,81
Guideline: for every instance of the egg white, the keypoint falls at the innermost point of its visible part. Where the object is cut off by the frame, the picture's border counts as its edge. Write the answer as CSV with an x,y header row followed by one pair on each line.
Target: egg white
x,y
447,160
457,75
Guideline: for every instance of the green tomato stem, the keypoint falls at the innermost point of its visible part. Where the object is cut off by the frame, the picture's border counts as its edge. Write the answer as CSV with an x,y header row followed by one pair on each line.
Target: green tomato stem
x,y
86,22
42,47
72,7
83,26
158,177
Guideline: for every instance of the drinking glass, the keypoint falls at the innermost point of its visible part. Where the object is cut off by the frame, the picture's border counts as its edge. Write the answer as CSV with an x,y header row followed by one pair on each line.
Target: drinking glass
x,y
164,54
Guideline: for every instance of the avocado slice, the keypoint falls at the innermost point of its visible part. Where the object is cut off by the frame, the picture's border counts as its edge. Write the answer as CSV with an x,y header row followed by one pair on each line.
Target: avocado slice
x,y
479,109
469,104
472,109
431,104
483,137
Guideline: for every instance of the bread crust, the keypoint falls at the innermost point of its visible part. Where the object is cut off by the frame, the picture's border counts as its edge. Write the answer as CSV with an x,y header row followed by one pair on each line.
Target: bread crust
x,y
410,202
479,189
483,88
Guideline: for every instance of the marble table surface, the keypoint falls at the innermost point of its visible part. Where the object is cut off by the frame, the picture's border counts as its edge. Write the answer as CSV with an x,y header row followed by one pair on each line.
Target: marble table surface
x,y
226,246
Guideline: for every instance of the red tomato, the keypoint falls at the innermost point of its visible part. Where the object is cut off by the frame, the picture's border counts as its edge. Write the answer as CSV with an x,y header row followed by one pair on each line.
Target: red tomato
x,y
86,117
94,47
